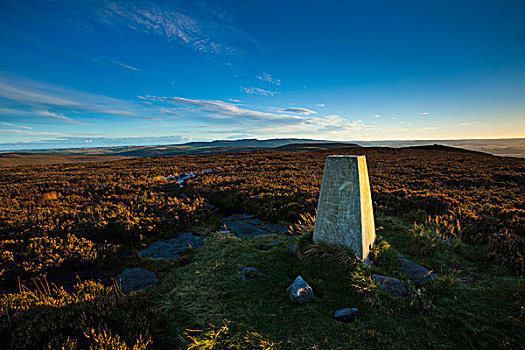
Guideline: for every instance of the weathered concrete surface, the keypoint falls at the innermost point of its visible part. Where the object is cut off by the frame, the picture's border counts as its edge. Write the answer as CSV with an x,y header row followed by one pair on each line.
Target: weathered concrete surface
x,y
344,213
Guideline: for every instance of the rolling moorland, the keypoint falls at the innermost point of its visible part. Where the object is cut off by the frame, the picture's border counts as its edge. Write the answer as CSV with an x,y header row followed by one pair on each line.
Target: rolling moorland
x,y
67,230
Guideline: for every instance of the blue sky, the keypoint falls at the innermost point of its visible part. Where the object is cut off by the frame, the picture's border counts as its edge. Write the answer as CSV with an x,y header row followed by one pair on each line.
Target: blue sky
x,y
89,73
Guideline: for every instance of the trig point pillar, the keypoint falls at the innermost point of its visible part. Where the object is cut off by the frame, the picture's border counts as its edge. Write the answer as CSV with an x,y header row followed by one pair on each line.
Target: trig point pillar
x,y
344,213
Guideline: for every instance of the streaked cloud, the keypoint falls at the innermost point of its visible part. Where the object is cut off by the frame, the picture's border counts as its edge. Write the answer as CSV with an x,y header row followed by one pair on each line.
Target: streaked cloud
x,y
377,115
27,132
297,110
268,78
17,126
127,66
259,91
320,105
424,114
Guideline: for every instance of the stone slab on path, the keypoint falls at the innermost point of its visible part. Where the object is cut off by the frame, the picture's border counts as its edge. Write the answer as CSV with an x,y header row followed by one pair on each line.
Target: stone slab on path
x,y
172,248
419,274
276,228
254,221
244,230
236,217
136,279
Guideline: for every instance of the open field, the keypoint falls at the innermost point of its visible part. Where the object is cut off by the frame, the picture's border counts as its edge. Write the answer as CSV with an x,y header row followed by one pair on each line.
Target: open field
x,y
462,214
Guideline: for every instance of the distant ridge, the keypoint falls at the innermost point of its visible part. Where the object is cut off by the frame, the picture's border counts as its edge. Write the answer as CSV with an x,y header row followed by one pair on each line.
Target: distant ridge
x,y
314,146
436,147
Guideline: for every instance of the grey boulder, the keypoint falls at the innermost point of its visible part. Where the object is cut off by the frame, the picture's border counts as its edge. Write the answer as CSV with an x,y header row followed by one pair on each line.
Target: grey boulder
x,y
135,279
391,286
347,315
299,291
419,274
172,248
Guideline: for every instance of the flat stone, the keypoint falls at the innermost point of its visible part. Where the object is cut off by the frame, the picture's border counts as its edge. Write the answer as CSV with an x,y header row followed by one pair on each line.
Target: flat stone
x,y
244,230
347,315
391,285
172,248
135,279
254,221
299,291
235,217
276,228
344,213
250,273
419,274
291,247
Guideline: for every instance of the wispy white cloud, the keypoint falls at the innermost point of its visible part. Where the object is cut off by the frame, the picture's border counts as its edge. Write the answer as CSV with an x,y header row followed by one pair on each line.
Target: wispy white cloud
x,y
219,109
424,114
259,91
377,115
17,126
269,79
29,98
127,66
320,105
202,25
297,110
27,132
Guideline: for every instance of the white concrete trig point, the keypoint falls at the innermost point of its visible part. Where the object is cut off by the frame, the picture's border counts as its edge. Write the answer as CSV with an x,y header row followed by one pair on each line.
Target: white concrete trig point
x,y
344,212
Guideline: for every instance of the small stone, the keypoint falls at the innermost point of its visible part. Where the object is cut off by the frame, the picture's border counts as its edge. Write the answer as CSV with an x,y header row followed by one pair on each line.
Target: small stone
x,y
135,279
347,315
291,247
300,292
235,217
254,221
391,286
419,274
250,273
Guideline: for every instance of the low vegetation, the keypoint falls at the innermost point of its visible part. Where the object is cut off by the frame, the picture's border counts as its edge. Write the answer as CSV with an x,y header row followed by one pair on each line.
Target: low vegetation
x,y
66,230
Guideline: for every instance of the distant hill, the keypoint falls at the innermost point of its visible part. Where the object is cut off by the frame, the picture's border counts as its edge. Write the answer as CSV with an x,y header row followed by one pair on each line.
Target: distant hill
x,y
314,146
436,147
500,147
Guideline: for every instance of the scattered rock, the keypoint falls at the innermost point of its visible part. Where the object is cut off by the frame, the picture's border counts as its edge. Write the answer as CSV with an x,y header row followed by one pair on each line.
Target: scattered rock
x,y
250,273
291,247
347,315
299,291
244,230
254,221
172,248
417,273
391,285
276,228
135,279
235,217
